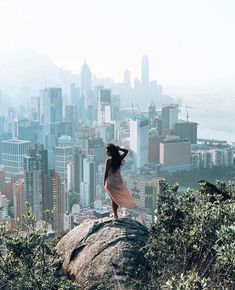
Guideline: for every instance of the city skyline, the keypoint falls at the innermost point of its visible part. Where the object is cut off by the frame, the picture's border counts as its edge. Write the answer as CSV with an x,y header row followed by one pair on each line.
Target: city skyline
x,y
198,47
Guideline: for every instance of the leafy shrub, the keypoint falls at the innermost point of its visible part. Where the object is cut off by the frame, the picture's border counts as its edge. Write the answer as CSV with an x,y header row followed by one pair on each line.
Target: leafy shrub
x,y
193,239
28,260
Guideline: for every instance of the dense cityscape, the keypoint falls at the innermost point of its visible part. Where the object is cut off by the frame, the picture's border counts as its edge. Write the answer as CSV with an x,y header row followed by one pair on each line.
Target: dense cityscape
x,y
52,149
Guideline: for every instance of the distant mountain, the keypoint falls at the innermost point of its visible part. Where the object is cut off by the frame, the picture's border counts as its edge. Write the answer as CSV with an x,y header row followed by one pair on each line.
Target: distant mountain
x,y
24,72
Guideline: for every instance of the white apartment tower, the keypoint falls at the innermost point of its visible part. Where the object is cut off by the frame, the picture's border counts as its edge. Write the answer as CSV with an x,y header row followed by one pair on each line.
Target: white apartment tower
x,y
139,138
63,156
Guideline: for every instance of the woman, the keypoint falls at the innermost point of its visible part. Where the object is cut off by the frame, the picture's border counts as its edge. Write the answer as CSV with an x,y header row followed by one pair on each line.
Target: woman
x,y
113,182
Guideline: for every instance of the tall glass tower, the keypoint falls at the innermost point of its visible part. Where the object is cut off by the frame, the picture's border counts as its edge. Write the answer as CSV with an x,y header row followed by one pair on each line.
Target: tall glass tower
x,y
145,72
51,107
85,79
12,156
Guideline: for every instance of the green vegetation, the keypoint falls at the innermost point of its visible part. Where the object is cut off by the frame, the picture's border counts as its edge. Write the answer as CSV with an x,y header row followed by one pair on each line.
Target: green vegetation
x,y
28,260
191,246
192,242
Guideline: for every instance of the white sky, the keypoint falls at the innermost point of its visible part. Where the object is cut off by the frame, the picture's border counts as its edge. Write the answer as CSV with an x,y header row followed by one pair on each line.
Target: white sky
x,y
186,40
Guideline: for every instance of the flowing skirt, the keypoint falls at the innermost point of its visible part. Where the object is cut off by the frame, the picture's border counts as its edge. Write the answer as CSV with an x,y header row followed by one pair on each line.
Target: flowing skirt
x,y
117,190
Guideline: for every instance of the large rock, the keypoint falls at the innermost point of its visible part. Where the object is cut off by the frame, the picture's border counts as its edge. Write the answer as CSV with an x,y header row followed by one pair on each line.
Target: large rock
x,y
105,252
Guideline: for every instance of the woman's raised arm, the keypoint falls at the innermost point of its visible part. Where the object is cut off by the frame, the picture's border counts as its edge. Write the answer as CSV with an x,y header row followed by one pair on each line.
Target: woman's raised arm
x,y
125,152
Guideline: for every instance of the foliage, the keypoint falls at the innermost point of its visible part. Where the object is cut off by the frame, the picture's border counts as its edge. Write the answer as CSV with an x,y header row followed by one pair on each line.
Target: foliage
x,y
190,281
192,242
28,260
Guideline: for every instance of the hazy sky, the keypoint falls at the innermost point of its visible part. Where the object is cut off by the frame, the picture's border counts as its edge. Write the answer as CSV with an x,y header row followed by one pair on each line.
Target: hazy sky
x,y
184,39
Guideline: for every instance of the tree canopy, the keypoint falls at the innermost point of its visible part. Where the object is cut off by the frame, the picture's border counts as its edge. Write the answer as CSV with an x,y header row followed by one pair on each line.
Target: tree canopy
x,y
192,241
28,259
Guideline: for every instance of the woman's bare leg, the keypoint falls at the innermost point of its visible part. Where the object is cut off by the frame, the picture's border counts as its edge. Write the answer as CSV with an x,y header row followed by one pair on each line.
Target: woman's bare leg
x,y
115,207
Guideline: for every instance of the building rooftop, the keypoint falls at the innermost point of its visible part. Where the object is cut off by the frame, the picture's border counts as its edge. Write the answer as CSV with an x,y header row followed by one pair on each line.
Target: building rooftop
x,y
15,141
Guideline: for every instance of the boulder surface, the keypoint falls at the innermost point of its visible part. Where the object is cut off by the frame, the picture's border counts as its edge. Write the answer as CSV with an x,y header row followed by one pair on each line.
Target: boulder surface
x,y
105,254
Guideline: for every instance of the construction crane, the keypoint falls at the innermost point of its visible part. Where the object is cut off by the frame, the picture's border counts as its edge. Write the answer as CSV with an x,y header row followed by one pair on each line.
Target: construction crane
x,y
187,113
141,114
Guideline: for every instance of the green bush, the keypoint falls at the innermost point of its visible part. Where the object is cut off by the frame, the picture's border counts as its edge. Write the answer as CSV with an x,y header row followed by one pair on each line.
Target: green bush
x,y
192,242
28,260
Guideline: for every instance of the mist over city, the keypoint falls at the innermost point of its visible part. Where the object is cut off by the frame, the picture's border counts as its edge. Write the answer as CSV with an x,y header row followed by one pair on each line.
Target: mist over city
x,y
152,82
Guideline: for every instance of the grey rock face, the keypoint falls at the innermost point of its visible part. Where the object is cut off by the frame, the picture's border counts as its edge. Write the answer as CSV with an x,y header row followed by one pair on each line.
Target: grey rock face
x,y
107,253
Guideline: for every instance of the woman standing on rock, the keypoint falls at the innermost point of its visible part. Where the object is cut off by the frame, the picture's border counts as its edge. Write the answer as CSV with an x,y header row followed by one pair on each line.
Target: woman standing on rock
x,y
113,182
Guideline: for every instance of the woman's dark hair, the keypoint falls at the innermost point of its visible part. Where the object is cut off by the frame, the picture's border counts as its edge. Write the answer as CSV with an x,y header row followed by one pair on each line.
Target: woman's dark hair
x,y
116,159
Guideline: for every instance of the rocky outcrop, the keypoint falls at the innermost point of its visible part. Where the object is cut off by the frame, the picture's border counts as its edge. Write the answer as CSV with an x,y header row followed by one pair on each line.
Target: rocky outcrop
x,y
105,254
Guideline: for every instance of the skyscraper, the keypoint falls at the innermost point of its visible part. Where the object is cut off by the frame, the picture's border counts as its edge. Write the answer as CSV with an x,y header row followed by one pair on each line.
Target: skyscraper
x,y
19,201
26,129
2,124
115,107
84,194
96,147
36,172
145,73
187,130
12,156
85,79
127,78
89,176
55,189
169,117
152,114
63,155
139,138
35,108
51,107
2,180
75,95
104,106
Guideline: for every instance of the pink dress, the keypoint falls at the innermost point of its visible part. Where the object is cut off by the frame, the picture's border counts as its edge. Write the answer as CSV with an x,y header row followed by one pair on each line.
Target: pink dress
x,y
117,190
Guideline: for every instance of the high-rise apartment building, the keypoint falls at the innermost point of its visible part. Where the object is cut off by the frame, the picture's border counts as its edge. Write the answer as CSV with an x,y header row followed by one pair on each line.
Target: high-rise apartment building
x,y
144,191
96,146
139,138
84,194
152,114
12,156
63,156
175,155
19,201
169,117
36,180
154,148
77,162
3,207
56,192
2,180
187,130
89,176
